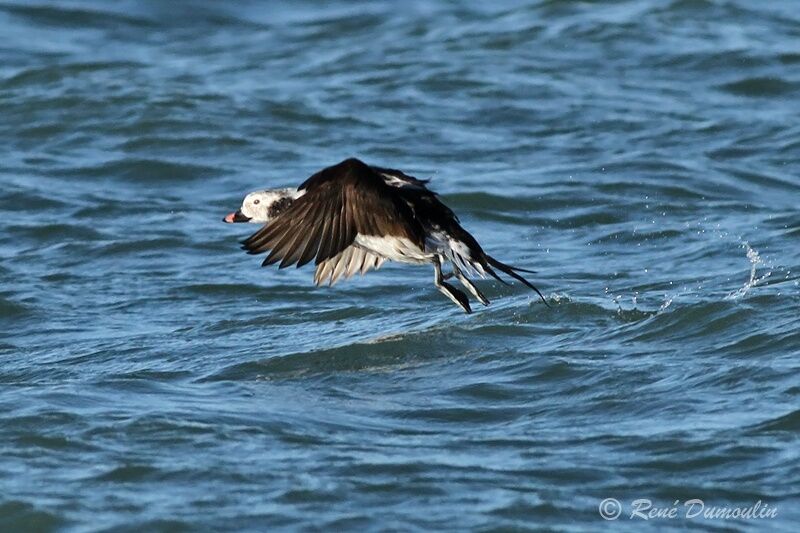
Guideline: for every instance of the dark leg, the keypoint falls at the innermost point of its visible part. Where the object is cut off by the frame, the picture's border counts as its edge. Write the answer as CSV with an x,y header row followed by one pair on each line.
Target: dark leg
x,y
458,297
469,285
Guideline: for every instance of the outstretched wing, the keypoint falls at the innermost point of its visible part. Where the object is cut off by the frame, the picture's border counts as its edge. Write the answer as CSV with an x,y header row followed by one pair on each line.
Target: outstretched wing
x,y
340,202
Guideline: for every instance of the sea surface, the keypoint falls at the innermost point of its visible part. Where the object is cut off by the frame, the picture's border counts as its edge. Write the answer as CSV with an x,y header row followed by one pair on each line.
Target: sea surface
x,y
642,156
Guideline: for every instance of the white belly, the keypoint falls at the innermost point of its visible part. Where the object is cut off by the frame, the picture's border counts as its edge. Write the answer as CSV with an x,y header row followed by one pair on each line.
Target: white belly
x,y
393,248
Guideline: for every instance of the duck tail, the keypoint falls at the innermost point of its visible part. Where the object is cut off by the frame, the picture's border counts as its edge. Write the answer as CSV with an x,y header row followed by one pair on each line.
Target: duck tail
x,y
511,271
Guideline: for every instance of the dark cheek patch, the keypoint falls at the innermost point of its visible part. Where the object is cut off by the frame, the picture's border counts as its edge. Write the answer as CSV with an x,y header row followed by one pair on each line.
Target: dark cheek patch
x,y
279,206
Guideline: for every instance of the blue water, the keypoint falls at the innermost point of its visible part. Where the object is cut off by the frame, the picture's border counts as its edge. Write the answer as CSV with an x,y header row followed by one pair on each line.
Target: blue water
x,y
642,156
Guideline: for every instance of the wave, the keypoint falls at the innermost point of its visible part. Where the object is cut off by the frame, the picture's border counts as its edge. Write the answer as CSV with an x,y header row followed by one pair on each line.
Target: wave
x,y
11,309
142,170
761,87
356,357
55,233
788,424
15,513
74,17
193,142
24,201
36,76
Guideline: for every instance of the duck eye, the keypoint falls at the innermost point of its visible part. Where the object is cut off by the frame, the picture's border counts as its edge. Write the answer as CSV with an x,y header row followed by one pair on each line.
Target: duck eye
x,y
256,202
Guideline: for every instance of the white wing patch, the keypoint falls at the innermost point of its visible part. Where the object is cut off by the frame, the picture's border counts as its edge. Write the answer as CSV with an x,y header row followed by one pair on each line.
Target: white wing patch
x,y
346,263
394,180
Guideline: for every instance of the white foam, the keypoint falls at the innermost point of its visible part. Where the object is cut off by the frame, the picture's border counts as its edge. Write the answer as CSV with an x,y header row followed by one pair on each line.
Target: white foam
x,y
755,261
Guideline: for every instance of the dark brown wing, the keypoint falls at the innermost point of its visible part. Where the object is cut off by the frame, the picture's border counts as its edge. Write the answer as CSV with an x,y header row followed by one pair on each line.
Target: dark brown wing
x,y
340,202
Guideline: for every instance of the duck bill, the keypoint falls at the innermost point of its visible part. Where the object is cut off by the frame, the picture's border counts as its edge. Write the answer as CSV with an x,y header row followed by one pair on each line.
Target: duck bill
x,y
230,218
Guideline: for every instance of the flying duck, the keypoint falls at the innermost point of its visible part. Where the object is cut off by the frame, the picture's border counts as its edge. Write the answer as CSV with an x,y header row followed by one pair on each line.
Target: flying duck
x,y
352,217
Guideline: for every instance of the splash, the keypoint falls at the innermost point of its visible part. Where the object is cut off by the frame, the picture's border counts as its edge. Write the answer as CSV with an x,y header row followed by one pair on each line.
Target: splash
x,y
755,261
667,302
560,297
634,314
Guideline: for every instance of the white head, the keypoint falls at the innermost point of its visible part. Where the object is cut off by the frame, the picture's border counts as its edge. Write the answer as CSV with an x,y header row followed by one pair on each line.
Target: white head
x,y
262,206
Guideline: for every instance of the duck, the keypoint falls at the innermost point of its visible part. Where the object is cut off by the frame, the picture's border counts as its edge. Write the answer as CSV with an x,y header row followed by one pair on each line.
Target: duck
x,y
352,217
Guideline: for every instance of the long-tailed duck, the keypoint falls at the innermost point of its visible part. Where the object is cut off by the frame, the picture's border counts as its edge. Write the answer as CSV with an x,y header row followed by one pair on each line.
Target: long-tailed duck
x,y
352,217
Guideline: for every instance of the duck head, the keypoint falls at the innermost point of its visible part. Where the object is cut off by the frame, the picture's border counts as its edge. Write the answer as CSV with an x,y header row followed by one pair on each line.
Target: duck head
x,y
262,206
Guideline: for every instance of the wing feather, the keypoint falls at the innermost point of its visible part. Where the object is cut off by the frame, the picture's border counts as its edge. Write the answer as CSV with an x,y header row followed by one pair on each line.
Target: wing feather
x,y
328,233
287,247
341,265
311,247
325,269
257,242
351,260
356,258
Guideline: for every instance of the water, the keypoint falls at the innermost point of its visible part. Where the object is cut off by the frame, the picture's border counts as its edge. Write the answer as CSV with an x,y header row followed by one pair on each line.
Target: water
x,y
642,156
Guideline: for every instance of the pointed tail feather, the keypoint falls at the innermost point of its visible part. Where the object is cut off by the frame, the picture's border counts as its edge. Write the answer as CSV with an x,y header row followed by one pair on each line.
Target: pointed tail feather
x,y
511,272
527,271
492,273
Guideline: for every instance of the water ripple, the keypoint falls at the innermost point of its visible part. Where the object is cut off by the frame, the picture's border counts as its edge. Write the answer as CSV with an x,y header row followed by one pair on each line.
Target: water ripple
x,y
639,158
